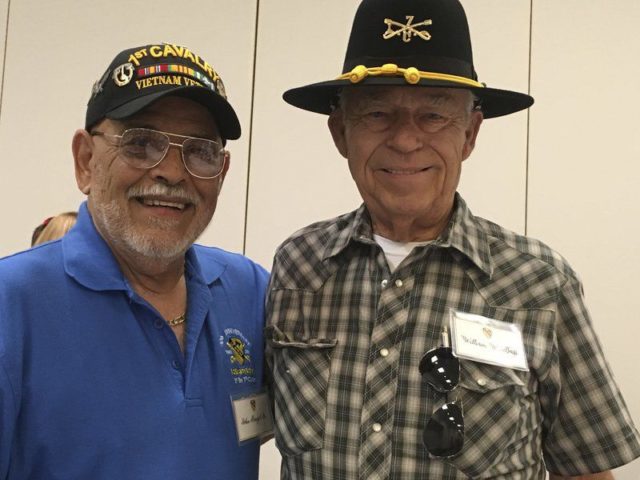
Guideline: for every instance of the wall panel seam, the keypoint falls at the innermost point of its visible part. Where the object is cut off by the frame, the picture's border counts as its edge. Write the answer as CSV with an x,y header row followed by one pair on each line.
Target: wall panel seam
x,y
528,135
4,56
250,140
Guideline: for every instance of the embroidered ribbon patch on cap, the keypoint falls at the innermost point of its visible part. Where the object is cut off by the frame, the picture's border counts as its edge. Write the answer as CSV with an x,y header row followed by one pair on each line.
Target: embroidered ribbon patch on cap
x,y
172,68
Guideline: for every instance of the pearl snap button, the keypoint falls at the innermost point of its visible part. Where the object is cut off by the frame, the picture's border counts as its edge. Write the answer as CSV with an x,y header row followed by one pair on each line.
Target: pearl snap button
x,y
399,283
384,283
376,427
482,382
384,352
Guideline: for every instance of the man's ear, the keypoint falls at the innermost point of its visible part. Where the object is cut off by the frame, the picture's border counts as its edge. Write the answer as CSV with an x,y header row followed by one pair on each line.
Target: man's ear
x,y
82,147
472,133
337,129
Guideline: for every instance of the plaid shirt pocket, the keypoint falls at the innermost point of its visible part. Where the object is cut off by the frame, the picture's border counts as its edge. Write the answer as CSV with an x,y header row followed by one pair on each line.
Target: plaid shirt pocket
x,y
301,377
494,400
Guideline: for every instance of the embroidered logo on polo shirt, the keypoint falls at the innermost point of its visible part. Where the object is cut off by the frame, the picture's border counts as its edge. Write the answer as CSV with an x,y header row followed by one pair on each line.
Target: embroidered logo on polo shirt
x,y
238,350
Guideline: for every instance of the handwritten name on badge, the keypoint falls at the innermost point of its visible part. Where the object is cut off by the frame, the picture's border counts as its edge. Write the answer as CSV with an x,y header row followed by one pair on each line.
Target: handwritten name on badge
x,y
252,416
253,419
485,340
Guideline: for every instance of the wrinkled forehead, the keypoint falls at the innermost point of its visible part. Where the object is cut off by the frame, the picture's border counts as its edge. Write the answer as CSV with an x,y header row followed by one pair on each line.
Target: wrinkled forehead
x,y
355,97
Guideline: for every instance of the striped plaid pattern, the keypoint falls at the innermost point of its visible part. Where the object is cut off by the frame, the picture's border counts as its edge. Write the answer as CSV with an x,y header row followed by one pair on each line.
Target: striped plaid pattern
x,y
346,337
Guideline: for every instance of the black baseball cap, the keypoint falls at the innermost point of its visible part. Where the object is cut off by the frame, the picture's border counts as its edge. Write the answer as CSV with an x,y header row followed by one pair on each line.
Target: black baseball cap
x,y
139,76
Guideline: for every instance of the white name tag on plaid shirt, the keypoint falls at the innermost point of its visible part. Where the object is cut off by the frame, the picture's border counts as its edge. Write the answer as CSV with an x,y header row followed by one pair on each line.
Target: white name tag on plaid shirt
x,y
485,340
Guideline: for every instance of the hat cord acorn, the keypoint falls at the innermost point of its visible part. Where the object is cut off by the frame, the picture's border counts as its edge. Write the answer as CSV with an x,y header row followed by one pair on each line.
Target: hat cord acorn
x,y
412,75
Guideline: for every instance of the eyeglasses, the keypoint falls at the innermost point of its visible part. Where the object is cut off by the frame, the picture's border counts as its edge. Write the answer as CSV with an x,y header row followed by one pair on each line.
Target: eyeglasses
x,y
443,435
381,120
379,116
145,148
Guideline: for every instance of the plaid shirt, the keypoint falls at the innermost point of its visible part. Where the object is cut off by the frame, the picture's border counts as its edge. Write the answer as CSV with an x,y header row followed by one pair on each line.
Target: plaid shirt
x,y
346,337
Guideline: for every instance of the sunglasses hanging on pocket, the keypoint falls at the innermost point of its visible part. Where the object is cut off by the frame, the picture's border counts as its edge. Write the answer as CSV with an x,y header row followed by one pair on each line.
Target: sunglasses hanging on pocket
x,y
443,436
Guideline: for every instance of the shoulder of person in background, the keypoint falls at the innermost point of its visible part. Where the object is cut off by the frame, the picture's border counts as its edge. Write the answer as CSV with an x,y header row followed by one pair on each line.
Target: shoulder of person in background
x,y
53,228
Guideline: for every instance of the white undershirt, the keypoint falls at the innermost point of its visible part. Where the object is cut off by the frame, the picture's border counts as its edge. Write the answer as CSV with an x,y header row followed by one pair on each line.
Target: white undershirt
x,y
396,252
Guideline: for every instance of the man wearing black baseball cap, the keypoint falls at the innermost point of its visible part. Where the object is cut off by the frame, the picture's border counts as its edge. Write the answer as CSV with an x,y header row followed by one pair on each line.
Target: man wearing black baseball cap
x,y
126,351
410,339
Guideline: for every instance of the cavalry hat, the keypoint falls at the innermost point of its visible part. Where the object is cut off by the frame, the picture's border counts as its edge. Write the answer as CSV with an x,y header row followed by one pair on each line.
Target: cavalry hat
x,y
422,43
139,76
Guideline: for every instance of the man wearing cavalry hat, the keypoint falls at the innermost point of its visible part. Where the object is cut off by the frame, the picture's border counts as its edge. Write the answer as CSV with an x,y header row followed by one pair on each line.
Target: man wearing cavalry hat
x,y
126,351
409,338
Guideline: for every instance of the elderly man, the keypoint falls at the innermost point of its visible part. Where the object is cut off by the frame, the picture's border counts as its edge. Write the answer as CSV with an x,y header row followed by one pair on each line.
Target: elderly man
x,y
411,339
127,352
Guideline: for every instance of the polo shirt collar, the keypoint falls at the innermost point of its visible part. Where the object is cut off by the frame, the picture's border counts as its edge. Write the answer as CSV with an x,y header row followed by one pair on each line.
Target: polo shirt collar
x,y
208,270
88,258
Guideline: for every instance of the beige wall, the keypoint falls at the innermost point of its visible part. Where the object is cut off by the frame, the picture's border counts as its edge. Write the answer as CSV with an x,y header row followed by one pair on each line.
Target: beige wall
x,y
4,7
564,173
58,48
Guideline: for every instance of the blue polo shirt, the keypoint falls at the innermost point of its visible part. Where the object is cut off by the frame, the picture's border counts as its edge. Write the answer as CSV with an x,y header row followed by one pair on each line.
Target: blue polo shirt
x,y
93,384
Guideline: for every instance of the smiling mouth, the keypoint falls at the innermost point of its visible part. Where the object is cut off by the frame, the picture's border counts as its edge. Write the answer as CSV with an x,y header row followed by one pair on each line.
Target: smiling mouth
x,y
150,202
405,172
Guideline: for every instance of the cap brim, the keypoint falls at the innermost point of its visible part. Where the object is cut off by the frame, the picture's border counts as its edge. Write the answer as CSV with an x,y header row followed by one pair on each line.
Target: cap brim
x,y
223,113
319,97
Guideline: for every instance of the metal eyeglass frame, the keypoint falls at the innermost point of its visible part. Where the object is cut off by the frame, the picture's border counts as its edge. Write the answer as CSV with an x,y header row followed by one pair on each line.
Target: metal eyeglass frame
x,y
169,145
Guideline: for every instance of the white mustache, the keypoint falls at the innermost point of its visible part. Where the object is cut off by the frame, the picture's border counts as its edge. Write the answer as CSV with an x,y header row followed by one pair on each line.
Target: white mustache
x,y
159,190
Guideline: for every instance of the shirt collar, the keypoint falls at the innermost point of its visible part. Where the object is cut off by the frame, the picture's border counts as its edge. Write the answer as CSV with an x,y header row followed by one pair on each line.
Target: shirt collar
x,y
88,258
208,269
355,226
464,234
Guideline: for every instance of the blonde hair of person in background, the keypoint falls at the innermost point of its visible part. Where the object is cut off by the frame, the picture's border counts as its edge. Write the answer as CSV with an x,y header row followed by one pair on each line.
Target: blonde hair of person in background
x,y
53,228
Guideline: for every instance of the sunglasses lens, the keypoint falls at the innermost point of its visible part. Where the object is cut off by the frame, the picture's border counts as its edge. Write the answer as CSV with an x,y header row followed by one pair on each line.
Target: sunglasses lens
x,y
444,433
440,369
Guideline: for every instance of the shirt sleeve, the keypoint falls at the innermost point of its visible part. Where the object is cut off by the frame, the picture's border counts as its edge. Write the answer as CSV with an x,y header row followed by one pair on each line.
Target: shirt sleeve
x,y
587,425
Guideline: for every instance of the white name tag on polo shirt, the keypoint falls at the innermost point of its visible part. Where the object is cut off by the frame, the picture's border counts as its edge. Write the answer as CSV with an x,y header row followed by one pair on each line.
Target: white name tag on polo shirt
x,y
485,340
252,414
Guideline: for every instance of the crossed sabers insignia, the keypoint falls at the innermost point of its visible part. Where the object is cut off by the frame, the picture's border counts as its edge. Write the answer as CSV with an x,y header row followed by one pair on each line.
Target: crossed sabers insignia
x,y
407,30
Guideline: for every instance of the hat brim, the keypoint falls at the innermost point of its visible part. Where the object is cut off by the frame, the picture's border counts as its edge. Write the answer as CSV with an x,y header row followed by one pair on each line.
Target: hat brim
x,y
223,113
320,97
